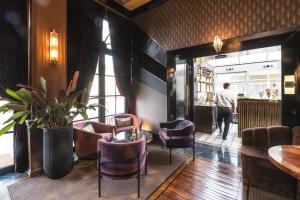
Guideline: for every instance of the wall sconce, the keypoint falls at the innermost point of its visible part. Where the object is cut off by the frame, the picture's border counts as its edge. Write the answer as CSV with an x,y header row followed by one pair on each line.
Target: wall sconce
x,y
218,44
289,84
53,43
171,72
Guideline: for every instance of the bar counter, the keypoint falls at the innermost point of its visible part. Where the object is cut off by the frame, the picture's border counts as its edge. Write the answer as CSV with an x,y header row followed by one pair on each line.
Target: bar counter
x,y
205,118
258,113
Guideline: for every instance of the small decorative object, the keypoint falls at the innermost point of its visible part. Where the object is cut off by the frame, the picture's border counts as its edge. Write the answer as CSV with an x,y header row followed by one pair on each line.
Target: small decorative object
x,y
53,44
261,94
54,116
268,92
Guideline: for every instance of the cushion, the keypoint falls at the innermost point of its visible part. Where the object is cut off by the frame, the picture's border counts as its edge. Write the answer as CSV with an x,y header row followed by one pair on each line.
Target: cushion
x,y
182,124
124,121
89,128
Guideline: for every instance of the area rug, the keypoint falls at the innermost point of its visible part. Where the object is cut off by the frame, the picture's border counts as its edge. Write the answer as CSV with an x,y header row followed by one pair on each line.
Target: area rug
x,y
81,183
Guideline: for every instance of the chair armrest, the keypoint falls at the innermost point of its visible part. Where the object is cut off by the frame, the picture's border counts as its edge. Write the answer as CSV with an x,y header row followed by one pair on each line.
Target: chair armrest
x,y
103,128
169,125
296,135
247,136
80,135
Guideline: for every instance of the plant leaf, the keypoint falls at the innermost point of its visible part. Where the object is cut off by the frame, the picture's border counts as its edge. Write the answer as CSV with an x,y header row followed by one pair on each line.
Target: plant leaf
x,y
15,107
7,128
39,99
13,94
69,88
25,95
44,85
17,115
84,115
74,81
22,120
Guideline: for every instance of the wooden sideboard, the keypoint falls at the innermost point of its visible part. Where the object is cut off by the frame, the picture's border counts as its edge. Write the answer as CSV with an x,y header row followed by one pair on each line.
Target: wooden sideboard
x,y
258,113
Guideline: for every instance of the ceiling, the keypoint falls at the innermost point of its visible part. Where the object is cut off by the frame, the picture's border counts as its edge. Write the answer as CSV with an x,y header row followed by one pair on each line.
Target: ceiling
x,y
132,4
243,57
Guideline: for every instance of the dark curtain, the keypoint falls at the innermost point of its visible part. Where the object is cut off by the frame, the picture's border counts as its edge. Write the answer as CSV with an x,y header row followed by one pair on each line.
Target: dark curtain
x,y
13,65
121,45
84,39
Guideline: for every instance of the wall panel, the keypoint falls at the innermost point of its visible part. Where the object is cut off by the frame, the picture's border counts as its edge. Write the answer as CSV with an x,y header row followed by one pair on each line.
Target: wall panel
x,y
184,23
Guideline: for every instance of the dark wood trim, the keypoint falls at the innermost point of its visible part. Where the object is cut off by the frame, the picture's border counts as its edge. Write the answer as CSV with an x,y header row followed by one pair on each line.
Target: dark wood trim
x,y
119,9
259,40
148,6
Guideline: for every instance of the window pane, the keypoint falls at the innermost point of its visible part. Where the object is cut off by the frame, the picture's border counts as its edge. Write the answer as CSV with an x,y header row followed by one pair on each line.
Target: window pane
x,y
109,68
93,113
97,68
95,86
110,85
94,101
120,104
4,117
105,30
117,91
110,106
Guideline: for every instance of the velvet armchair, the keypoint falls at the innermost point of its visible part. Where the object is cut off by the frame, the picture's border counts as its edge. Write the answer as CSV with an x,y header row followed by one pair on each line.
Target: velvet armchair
x,y
122,160
86,142
178,134
135,122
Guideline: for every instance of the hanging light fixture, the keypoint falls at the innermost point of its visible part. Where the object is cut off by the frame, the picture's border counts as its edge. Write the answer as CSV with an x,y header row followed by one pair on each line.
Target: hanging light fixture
x,y
218,44
53,43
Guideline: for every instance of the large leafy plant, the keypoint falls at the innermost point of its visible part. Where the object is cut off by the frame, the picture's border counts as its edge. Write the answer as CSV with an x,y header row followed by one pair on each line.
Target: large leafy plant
x,y
46,111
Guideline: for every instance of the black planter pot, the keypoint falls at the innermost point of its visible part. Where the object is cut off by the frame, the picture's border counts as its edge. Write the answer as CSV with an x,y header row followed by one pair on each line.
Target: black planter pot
x,y
57,152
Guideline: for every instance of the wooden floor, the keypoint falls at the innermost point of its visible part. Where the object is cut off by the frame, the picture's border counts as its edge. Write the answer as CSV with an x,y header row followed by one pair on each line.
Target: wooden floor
x,y
204,179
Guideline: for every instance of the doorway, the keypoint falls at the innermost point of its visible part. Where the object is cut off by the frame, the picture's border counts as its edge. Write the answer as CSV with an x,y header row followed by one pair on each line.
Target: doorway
x,y
254,76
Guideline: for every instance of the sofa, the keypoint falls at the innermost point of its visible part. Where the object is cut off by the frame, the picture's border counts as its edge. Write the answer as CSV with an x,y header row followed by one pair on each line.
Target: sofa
x,y
86,142
257,169
134,122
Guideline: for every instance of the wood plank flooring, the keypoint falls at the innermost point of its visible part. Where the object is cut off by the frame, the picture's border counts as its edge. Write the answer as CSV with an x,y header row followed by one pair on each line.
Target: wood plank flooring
x,y
205,179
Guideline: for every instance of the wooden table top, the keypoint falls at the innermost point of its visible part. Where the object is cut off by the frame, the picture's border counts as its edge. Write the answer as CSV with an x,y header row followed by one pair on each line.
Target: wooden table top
x,y
287,158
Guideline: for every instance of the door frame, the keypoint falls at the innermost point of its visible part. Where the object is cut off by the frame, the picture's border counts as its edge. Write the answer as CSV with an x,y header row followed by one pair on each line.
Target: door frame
x,y
260,40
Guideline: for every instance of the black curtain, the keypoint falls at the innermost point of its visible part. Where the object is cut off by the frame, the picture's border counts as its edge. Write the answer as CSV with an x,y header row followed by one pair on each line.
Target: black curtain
x,y
13,65
121,45
84,39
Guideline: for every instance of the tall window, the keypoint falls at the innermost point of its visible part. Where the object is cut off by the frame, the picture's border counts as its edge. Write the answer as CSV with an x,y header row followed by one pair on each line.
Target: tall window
x,y
104,89
6,141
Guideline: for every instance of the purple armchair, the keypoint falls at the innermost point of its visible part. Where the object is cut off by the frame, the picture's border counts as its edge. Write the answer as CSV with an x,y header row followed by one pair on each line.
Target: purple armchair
x,y
86,142
178,134
122,160
135,122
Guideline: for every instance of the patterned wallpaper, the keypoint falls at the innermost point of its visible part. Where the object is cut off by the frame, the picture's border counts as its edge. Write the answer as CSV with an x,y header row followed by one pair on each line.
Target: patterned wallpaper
x,y
183,23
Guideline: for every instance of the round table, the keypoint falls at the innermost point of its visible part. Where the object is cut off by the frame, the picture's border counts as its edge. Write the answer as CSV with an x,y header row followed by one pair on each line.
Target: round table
x,y
286,158
127,136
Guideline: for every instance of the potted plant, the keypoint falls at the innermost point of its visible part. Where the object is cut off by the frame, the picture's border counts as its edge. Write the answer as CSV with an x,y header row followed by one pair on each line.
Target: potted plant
x,y
52,114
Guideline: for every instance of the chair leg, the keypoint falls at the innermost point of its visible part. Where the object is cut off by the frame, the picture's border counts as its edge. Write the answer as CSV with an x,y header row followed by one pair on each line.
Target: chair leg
x,y
194,152
138,181
170,155
162,145
146,161
99,175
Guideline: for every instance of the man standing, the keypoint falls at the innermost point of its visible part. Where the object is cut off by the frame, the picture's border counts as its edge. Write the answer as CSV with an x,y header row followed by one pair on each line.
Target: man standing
x,y
226,105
